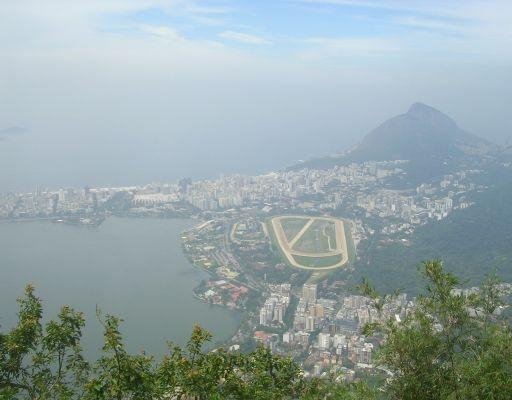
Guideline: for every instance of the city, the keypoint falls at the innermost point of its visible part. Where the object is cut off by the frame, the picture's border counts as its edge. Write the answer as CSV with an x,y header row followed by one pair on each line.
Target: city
x,y
312,317
268,200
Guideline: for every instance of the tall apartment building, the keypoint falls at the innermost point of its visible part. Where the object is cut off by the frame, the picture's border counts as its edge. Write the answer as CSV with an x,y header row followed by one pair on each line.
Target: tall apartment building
x,y
309,292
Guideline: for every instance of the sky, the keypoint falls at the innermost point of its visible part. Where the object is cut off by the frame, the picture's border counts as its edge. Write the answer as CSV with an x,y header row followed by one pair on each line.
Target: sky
x,y
120,92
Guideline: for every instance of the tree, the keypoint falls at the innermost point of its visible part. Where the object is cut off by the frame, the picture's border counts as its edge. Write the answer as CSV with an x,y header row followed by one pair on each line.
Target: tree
x,y
450,346
42,363
39,362
117,374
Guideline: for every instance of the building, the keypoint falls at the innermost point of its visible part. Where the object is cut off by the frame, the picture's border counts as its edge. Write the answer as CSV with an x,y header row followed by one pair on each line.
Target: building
x,y
310,324
274,309
324,341
309,292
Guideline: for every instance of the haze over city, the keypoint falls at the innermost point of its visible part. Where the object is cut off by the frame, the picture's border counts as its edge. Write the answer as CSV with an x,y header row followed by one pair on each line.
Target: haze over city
x,y
125,92
269,200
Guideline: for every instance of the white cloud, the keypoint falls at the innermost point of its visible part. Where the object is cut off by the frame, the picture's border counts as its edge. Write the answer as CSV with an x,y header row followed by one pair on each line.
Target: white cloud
x,y
362,45
200,9
243,37
163,32
349,49
435,30
483,15
434,7
428,24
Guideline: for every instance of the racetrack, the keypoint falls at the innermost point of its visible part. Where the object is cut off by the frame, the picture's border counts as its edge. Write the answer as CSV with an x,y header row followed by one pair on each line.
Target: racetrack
x,y
287,247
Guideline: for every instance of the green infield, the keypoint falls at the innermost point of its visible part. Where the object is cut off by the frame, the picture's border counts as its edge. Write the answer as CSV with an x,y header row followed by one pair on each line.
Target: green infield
x,y
311,242
292,226
319,238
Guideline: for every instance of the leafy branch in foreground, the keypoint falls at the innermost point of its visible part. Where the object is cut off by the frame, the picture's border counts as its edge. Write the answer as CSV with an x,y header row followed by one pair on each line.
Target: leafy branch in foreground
x,y
39,362
451,345
42,362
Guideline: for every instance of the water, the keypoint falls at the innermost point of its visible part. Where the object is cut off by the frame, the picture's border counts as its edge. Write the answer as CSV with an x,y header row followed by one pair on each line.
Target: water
x,y
133,268
47,160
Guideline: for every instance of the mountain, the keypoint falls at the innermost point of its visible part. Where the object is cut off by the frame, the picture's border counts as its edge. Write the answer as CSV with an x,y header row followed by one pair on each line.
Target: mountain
x,y
429,139
422,132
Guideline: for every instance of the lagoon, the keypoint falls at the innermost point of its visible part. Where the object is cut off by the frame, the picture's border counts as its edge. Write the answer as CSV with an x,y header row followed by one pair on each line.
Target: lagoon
x,y
132,268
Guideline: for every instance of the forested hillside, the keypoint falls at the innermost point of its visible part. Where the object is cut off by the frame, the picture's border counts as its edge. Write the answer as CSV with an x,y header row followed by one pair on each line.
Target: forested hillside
x,y
472,243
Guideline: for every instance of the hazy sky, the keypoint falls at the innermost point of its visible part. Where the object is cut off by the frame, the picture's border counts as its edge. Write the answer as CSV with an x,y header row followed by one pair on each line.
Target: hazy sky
x,y
129,91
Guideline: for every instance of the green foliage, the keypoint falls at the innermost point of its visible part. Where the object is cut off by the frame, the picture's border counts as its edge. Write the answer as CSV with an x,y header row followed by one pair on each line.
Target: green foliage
x,y
292,226
473,242
117,374
450,346
42,363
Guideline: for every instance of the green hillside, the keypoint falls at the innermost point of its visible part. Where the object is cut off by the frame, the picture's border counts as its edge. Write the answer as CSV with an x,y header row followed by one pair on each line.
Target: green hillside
x,y
473,242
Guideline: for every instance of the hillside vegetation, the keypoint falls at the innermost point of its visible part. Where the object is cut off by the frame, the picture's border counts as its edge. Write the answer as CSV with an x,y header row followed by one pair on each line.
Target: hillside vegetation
x,y
471,245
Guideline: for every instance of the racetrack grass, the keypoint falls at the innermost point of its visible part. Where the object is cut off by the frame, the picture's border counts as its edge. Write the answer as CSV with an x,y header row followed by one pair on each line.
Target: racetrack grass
x,y
330,230
317,262
323,264
292,226
275,242
317,238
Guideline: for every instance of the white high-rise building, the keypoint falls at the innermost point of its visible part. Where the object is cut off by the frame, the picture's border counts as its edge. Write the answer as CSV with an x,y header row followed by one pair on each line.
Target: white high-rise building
x,y
339,340
279,312
274,309
309,292
288,337
263,316
324,341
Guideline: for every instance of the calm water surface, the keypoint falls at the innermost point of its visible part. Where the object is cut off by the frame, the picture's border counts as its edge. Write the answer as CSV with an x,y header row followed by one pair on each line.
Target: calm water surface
x,y
133,268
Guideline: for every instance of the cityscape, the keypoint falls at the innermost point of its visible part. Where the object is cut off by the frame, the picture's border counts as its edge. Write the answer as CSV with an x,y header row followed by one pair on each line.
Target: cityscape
x,y
268,200
313,317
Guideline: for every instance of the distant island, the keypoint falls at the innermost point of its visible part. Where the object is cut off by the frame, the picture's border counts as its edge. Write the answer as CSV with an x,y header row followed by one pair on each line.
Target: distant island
x,y
12,131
